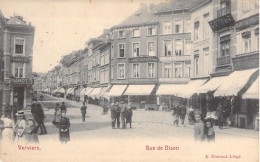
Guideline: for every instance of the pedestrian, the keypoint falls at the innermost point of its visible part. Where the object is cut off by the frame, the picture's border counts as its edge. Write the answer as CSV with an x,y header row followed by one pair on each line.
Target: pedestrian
x,y
20,127
8,129
64,125
118,111
63,107
198,128
57,114
129,114
83,110
191,116
31,131
176,114
105,109
123,114
113,115
209,131
38,115
183,114
220,116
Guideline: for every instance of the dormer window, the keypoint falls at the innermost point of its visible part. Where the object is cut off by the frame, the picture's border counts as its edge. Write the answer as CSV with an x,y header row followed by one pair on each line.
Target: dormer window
x,y
121,34
136,33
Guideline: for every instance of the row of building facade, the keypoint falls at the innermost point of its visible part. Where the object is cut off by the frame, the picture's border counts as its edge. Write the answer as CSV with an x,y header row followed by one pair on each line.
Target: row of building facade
x,y
16,54
150,57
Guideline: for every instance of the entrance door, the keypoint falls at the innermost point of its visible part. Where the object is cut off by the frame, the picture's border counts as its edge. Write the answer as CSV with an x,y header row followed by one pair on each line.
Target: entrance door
x,y
18,96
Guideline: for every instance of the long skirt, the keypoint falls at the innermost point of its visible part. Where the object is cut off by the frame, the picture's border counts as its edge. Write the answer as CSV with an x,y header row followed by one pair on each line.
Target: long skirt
x,y
64,136
7,135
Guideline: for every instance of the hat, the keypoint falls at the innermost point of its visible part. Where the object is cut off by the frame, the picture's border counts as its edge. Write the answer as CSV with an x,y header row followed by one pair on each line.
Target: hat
x,y
20,113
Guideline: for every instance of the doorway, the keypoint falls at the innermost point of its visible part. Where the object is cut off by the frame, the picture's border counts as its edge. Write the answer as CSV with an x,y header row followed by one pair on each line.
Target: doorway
x,y
18,97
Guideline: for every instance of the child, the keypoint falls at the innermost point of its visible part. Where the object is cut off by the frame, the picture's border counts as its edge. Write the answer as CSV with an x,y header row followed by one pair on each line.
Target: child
x,y
31,132
64,125
209,132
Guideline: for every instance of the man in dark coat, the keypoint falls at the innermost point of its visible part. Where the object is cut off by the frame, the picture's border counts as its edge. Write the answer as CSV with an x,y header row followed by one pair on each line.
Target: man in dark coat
x,y
38,115
176,113
183,114
123,114
113,115
118,111
129,114
83,111
63,107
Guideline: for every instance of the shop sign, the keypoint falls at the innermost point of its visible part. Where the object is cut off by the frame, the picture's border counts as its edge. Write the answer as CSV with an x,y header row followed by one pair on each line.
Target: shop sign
x,y
20,80
181,58
144,59
20,59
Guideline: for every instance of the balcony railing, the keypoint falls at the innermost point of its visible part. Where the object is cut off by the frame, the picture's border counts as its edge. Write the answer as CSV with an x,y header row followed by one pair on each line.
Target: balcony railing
x,y
223,11
225,60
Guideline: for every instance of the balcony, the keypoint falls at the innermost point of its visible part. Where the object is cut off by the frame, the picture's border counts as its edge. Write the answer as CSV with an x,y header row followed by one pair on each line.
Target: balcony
x,y
224,19
143,80
143,58
175,58
222,61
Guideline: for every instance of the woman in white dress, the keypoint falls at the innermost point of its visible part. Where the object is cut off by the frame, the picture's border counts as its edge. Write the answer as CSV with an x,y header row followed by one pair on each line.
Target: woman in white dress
x,y
8,131
20,127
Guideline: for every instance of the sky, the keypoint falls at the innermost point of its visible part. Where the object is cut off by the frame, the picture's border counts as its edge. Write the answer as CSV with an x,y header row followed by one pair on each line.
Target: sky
x,y
63,26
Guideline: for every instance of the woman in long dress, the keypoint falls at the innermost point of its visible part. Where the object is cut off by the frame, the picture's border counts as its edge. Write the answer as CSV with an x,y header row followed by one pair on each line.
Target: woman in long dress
x,y
64,125
8,131
20,127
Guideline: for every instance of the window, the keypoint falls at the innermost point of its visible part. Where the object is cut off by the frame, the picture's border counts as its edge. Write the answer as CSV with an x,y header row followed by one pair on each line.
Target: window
x,y
167,48
121,34
112,71
178,47
18,73
112,52
225,48
136,33
151,50
136,71
167,70
136,51
151,31
257,42
167,27
246,44
121,71
196,66
188,25
178,70
188,47
196,30
178,26
121,50
206,25
206,61
106,59
187,71
151,70
102,60
19,46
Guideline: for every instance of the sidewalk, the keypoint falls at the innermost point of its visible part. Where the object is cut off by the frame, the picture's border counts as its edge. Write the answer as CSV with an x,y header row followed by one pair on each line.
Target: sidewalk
x,y
142,116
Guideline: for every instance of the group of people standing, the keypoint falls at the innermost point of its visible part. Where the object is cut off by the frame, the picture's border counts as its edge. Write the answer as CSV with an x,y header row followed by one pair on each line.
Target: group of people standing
x,y
121,111
62,122
23,131
179,112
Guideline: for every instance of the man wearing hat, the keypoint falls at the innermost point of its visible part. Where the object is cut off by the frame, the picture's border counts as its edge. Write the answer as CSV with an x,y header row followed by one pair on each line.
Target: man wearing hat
x,y
113,115
20,127
123,114
38,115
118,111
198,128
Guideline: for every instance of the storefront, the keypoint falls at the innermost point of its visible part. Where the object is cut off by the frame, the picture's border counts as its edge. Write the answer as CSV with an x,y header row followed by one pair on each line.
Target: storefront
x,y
116,92
142,96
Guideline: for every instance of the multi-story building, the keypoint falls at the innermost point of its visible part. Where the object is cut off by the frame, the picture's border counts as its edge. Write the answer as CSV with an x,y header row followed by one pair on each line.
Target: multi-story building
x,y
17,38
2,24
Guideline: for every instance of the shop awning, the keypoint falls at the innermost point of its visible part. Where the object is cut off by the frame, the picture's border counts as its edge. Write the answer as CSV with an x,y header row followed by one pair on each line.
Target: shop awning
x,y
253,91
234,82
88,91
104,92
191,87
70,91
139,90
95,92
211,85
82,92
117,90
55,90
170,89
62,90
